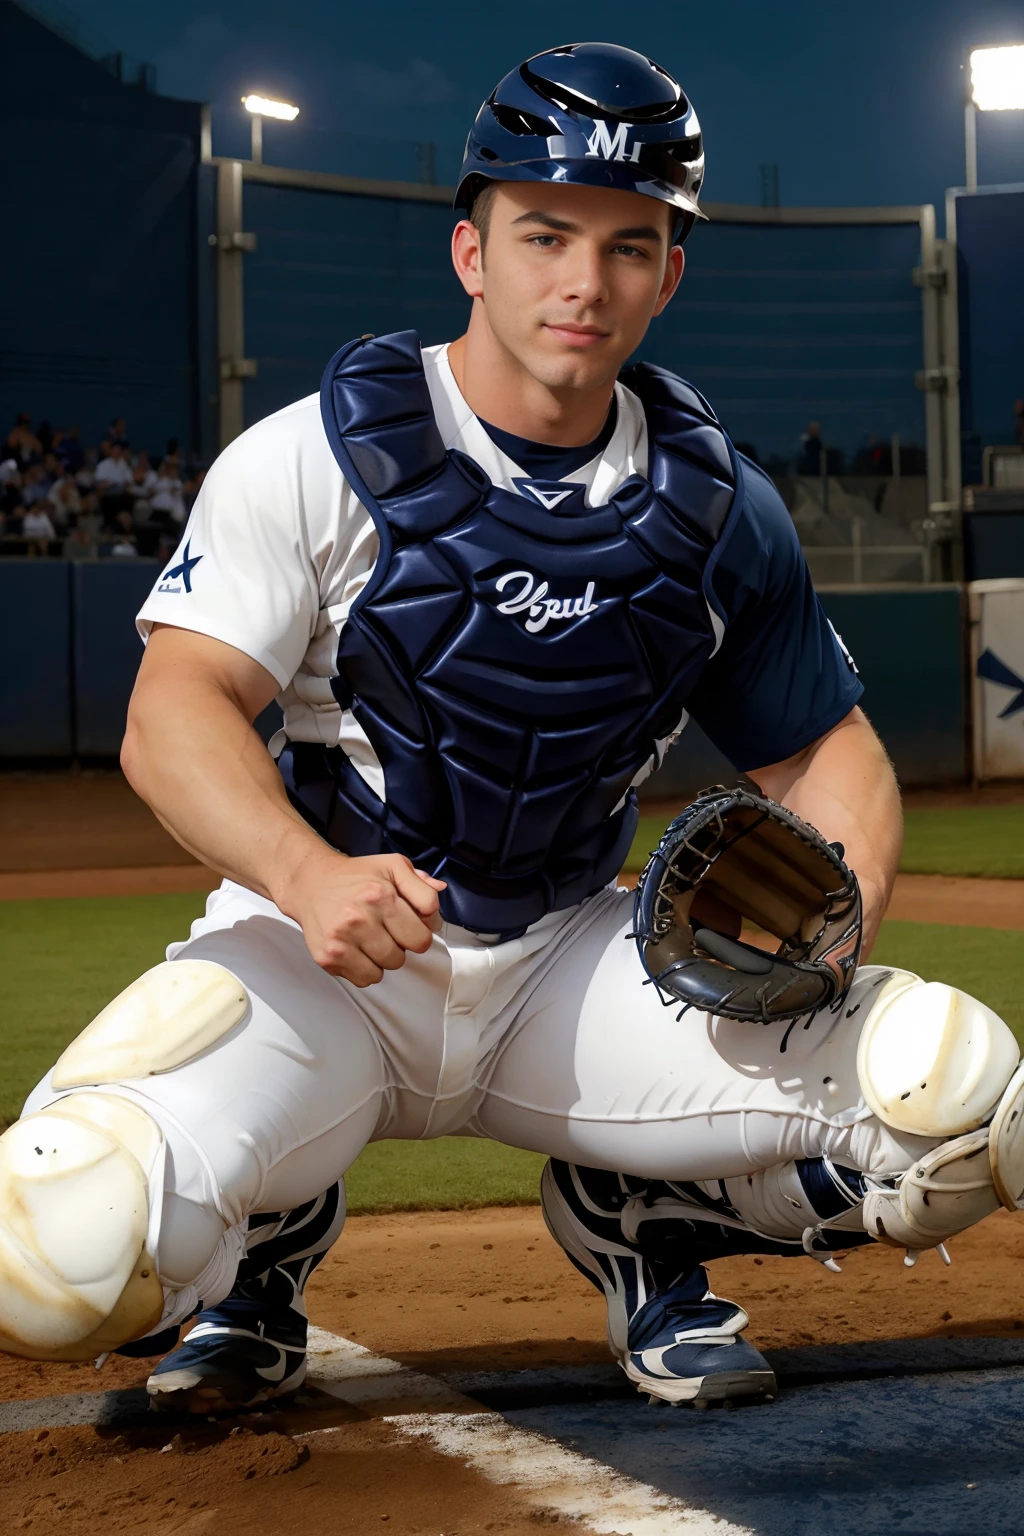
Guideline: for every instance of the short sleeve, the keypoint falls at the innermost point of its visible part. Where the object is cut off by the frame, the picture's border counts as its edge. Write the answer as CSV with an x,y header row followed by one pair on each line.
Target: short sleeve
x,y
246,570
781,677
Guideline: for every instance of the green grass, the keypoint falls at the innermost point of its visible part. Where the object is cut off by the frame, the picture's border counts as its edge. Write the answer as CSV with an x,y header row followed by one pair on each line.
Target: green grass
x,y
450,1174
967,840
60,961
983,840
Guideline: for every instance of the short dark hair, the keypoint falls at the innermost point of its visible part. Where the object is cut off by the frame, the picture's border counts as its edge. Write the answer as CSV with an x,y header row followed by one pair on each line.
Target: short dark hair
x,y
480,212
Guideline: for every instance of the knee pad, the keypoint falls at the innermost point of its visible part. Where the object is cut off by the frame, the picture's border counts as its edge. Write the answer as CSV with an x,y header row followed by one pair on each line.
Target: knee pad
x,y
76,1279
167,1017
933,1061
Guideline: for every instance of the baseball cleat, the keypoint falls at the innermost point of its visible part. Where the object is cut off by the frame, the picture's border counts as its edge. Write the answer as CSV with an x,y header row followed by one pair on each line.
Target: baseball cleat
x,y
677,1342
250,1349
237,1356
684,1346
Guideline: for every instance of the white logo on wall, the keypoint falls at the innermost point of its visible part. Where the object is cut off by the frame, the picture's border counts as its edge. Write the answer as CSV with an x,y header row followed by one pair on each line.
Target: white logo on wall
x,y
603,145
532,598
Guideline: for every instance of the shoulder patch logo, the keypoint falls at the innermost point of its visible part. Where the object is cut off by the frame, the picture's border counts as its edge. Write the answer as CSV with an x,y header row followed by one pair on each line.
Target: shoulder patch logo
x,y
179,577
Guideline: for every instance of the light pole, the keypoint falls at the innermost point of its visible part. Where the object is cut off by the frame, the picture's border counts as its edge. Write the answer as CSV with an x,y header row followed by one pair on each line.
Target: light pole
x,y
996,84
261,107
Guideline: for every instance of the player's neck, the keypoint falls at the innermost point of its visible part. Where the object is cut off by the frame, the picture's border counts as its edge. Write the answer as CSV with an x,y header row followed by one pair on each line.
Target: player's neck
x,y
497,387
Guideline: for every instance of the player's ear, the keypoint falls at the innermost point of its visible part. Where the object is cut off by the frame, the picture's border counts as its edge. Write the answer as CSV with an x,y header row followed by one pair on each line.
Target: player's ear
x,y
670,282
468,257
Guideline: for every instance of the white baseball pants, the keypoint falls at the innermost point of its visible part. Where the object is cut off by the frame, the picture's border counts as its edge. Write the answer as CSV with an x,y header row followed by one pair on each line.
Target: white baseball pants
x,y
550,1042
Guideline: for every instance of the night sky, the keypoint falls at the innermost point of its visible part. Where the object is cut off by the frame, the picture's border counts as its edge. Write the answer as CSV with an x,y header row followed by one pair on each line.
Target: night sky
x,y
857,104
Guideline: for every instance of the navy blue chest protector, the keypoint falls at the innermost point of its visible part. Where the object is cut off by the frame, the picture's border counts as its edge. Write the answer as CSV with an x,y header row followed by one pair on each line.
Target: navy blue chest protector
x,y
514,658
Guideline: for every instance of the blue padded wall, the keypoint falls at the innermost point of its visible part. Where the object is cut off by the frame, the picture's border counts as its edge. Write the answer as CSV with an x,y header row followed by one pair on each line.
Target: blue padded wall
x,y
908,645
106,596
35,655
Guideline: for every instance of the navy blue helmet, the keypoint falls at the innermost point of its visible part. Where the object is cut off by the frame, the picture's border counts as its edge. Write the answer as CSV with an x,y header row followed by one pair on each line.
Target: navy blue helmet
x,y
592,114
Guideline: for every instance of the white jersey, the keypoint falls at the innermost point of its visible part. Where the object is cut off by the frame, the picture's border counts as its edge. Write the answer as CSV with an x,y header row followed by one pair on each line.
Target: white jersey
x,y
279,547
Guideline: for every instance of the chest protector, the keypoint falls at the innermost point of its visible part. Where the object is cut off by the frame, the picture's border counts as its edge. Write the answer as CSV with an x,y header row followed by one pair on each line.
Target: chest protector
x,y
514,658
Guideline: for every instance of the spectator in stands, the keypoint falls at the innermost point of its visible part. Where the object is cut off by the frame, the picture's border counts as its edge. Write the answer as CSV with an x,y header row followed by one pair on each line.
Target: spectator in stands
x,y
22,443
69,449
52,471
37,528
90,518
143,486
123,543
33,485
811,450
66,499
168,496
53,491
172,455
85,475
113,477
79,544
10,491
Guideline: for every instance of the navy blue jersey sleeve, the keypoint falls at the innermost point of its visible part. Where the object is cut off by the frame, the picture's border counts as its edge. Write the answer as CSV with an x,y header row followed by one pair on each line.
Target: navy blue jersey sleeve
x,y
780,678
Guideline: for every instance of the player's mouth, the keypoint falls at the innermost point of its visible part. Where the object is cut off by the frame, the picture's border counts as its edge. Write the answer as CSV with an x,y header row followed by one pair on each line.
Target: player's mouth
x,y
581,336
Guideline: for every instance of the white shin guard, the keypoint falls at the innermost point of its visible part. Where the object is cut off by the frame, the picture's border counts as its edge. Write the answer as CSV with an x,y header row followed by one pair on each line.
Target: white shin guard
x,y
76,1278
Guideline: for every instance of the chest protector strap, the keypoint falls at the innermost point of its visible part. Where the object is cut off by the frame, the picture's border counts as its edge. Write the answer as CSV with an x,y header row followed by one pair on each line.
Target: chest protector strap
x,y
514,659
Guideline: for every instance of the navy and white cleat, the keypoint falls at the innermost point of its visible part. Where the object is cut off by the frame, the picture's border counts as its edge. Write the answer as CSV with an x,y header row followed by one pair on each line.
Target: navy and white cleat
x,y
675,1340
685,1346
250,1348
240,1354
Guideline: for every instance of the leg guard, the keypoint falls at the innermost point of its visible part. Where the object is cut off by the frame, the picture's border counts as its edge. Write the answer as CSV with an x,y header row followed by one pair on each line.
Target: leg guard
x,y
76,1278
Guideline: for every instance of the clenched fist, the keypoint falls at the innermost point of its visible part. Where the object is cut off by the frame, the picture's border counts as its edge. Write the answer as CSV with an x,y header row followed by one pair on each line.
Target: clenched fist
x,y
360,916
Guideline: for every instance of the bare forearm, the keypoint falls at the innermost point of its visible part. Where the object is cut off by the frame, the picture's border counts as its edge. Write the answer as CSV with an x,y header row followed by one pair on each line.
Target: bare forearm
x,y
846,788
191,754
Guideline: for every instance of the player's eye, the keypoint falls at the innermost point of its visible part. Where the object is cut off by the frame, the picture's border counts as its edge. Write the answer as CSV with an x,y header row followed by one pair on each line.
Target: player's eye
x,y
543,242
631,250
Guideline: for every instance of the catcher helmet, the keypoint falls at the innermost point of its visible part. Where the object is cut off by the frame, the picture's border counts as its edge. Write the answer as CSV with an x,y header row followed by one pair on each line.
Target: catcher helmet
x,y
589,114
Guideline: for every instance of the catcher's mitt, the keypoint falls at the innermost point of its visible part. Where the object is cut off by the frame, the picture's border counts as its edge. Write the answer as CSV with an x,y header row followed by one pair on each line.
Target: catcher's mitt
x,y
732,855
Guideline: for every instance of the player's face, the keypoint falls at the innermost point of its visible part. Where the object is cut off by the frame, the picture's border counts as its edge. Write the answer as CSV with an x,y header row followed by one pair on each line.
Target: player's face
x,y
570,277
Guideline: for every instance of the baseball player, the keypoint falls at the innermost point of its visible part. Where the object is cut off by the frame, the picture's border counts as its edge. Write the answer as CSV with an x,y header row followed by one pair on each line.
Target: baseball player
x,y
489,583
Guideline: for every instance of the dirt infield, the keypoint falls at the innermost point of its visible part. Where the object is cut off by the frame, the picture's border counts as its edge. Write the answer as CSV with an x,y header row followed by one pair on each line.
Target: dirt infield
x,y
443,1293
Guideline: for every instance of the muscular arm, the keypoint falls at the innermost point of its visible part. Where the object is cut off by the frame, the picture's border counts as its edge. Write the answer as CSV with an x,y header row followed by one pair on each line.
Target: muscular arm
x,y
191,753
844,785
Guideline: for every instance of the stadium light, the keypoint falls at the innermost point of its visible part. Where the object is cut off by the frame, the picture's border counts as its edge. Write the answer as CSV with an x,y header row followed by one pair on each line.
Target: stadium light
x,y
996,85
260,107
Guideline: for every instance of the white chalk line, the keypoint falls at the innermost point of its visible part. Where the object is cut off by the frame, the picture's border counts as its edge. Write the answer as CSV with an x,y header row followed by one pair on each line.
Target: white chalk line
x,y
547,1474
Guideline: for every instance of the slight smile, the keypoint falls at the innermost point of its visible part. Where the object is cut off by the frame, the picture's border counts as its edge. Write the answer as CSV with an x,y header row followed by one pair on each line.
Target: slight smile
x,y
578,335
